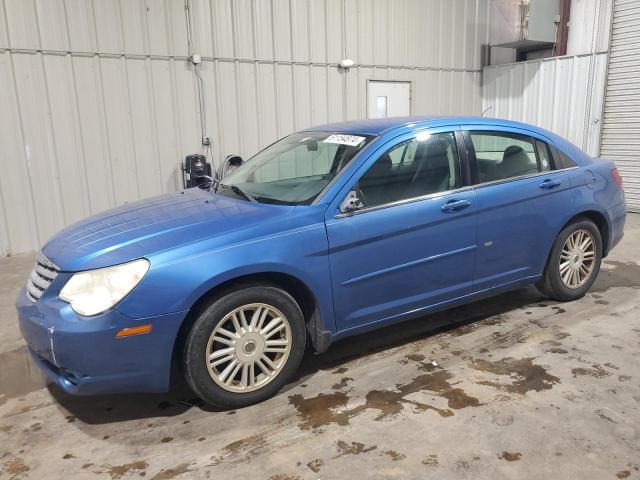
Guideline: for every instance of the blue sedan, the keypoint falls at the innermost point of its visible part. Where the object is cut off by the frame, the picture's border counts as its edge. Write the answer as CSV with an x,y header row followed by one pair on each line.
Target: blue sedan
x,y
327,233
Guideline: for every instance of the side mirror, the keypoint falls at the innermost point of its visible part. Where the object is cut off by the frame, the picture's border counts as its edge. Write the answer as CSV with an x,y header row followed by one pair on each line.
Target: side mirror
x,y
351,203
231,164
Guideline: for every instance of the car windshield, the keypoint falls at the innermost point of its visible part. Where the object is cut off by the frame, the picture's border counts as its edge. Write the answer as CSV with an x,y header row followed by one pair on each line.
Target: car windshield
x,y
294,170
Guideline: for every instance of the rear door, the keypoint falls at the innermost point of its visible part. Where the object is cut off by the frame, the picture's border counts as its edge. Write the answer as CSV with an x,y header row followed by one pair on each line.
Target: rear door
x,y
413,242
522,202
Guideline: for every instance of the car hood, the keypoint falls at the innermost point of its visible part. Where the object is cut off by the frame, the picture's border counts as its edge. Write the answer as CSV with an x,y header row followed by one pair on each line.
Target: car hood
x,y
143,228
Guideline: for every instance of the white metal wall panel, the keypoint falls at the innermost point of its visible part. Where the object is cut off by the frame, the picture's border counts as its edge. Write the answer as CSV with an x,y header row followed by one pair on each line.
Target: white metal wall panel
x,y
99,102
561,94
621,126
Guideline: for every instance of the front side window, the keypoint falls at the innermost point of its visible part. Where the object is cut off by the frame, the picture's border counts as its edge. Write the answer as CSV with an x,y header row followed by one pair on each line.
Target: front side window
x,y
295,169
501,156
420,166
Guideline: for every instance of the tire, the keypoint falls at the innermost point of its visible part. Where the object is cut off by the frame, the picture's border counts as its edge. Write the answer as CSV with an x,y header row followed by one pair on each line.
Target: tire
x,y
552,284
244,341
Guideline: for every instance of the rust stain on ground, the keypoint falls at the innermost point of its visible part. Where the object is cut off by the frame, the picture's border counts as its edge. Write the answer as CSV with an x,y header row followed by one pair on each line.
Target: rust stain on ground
x,y
169,473
597,371
510,456
354,448
526,375
324,409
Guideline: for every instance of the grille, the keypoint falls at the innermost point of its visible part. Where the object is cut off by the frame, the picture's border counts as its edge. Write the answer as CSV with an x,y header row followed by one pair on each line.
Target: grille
x,y
43,273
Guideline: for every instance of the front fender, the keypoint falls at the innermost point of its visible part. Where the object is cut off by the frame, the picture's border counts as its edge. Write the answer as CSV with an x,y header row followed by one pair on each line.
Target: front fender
x,y
177,279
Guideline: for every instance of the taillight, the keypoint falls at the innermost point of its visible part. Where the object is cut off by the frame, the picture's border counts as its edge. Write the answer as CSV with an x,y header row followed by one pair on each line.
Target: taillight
x,y
616,177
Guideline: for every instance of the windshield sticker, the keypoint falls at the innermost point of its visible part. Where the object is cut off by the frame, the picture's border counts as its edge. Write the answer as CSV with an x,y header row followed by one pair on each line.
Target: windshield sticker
x,y
351,140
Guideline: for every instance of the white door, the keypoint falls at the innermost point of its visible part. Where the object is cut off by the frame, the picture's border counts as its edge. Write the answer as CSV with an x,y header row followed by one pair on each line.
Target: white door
x,y
388,99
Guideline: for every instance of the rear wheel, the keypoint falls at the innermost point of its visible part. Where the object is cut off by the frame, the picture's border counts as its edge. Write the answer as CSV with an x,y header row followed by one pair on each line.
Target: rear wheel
x,y
574,262
245,346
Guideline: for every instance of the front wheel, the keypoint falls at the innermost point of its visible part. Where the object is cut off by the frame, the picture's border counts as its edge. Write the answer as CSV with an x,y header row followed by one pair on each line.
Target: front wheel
x,y
574,262
245,346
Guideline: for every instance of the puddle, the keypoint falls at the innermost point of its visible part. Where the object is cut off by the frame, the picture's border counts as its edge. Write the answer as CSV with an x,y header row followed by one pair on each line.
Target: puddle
x,y
324,409
18,375
525,375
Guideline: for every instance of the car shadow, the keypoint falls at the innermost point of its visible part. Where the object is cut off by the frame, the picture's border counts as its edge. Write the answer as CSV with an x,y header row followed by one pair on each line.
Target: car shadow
x,y
105,409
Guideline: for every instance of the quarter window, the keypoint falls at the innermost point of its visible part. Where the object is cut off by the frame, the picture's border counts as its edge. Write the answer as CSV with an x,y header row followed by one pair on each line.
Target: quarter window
x,y
420,166
500,156
560,159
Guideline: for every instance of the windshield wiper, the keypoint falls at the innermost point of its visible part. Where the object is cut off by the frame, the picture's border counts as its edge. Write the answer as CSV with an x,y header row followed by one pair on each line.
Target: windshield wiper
x,y
238,191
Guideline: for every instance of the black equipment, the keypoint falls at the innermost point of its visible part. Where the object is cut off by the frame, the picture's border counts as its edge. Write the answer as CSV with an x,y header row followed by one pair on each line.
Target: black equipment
x,y
196,171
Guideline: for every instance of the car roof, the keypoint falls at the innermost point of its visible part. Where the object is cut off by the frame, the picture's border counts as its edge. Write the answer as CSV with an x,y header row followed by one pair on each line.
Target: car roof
x,y
378,126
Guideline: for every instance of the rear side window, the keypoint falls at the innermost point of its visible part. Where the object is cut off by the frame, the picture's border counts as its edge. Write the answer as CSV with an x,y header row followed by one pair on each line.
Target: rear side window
x,y
561,160
501,156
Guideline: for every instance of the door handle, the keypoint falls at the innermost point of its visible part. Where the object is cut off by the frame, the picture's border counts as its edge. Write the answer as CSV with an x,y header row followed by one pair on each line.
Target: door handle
x,y
548,184
455,206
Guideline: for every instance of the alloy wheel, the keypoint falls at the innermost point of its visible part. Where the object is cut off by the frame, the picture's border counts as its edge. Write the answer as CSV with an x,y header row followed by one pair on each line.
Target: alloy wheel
x,y
577,259
248,348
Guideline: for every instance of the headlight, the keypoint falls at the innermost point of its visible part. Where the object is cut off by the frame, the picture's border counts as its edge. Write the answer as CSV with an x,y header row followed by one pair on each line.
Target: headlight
x,y
96,291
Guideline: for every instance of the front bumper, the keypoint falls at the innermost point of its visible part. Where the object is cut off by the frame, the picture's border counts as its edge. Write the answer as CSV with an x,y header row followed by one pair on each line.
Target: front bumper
x,y
83,355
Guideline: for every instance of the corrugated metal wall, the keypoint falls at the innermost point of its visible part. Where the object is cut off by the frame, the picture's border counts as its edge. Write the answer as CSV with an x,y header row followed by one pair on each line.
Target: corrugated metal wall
x,y
99,102
561,94
621,125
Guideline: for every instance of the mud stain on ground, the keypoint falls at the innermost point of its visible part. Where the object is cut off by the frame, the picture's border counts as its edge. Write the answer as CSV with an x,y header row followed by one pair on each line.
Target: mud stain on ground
x,y
119,471
315,465
394,456
15,466
18,375
343,383
340,370
623,274
284,476
431,461
173,472
510,456
560,351
623,474
597,371
413,357
353,448
526,376
324,409
251,444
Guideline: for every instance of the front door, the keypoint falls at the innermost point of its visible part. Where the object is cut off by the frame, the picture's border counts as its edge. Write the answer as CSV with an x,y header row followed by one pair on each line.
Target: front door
x,y
413,242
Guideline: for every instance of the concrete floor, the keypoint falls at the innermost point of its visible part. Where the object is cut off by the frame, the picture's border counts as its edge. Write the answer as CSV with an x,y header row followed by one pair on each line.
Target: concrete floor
x,y
511,387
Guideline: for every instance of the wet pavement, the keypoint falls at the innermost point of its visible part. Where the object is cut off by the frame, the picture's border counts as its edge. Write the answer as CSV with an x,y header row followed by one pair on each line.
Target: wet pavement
x,y
511,387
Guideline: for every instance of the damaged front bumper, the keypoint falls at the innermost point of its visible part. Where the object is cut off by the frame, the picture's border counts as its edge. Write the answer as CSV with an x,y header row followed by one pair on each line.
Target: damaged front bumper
x,y
84,357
